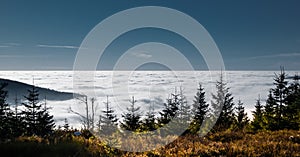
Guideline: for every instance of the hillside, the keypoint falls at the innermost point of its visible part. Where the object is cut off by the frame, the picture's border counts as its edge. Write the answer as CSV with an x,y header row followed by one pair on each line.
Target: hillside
x,y
19,89
260,144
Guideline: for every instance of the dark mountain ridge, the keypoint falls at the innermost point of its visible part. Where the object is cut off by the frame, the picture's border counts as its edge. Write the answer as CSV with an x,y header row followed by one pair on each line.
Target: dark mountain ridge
x,y
19,90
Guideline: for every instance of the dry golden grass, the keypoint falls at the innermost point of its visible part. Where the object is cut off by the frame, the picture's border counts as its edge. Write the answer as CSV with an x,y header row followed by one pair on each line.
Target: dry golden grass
x,y
266,143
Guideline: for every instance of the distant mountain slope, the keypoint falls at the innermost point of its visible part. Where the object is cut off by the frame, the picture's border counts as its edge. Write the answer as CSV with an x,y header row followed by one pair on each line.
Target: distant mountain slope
x,y
20,89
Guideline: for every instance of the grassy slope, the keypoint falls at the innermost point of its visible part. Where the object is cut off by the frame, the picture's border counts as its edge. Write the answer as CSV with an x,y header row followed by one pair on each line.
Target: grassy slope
x,y
267,143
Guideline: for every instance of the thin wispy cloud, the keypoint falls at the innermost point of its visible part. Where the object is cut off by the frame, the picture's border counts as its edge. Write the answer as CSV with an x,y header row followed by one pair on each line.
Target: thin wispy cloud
x,y
58,46
277,55
13,44
12,56
141,54
3,45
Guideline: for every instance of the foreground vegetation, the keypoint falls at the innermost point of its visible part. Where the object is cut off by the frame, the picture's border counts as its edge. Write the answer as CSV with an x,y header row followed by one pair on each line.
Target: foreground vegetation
x,y
274,130
65,143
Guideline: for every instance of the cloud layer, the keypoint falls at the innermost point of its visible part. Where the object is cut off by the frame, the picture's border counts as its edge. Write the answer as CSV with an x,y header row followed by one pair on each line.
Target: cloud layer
x,y
148,87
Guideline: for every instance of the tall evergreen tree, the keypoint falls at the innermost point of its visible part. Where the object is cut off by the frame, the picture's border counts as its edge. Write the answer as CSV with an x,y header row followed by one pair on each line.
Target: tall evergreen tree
x,y
5,113
45,120
241,116
166,114
149,123
108,120
32,111
184,109
132,119
37,119
292,111
258,122
223,106
168,120
269,112
182,117
280,93
200,109
170,110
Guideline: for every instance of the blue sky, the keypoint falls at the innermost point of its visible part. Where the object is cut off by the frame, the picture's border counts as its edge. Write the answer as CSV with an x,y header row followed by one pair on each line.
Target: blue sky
x,y
251,35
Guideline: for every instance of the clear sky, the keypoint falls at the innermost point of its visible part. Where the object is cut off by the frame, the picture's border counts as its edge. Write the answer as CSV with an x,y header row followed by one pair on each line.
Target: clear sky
x,y
251,35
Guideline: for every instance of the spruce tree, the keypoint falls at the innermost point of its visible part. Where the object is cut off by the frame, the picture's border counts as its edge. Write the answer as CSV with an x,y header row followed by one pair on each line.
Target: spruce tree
x,y
5,113
37,119
223,106
241,116
276,104
295,120
108,120
269,112
45,121
200,109
32,111
132,119
149,123
292,111
168,114
182,117
258,123
280,94
184,109
170,110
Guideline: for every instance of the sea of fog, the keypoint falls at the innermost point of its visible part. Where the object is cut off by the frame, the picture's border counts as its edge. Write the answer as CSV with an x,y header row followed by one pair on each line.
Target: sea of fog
x,y
148,87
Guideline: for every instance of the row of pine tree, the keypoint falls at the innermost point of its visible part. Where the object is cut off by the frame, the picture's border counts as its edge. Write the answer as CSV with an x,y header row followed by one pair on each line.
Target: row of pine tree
x,y
281,111
34,119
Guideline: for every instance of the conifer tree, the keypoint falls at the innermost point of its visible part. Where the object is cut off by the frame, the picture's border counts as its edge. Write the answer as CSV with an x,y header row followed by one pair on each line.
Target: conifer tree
x,y
258,122
45,121
37,119
276,104
5,113
168,114
149,123
171,108
132,119
184,110
181,122
269,112
241,116
200,109
292,111
32,111
223,106
280,94
108,120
